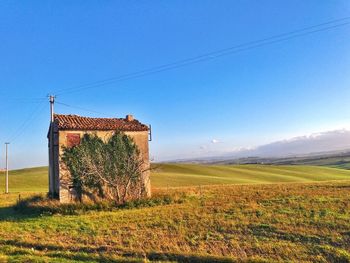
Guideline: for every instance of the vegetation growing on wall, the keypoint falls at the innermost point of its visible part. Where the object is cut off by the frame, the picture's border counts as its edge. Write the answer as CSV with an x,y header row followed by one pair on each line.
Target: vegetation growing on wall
x,y
110,170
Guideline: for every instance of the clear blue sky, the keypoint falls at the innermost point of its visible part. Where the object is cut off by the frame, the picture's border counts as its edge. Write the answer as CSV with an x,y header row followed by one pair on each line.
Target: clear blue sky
x,y
245,99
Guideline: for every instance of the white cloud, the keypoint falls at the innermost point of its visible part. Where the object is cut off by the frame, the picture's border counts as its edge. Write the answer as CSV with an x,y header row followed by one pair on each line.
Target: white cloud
x,y
312,143
242,149
215,141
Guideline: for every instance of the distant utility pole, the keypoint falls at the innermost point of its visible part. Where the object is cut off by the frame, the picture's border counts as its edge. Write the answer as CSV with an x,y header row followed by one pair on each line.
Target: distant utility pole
x,y
7,170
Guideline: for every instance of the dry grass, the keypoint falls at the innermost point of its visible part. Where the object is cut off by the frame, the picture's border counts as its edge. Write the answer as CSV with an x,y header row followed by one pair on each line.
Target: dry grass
x,y
281,222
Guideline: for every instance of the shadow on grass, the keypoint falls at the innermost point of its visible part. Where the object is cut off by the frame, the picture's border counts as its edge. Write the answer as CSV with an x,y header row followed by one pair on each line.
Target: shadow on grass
x,y
17,212
268,231
102,253
9,213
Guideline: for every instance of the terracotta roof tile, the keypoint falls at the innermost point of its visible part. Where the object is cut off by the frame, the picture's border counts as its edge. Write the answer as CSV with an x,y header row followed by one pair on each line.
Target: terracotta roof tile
x,y
75,122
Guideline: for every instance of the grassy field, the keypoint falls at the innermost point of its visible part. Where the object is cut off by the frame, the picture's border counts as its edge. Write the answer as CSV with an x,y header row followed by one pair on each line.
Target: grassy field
x,y
26,180
255,223
193,174
284,213
179,175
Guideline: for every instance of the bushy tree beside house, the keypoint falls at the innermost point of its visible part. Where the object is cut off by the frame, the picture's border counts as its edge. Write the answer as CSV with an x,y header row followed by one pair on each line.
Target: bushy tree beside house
x,y
110,170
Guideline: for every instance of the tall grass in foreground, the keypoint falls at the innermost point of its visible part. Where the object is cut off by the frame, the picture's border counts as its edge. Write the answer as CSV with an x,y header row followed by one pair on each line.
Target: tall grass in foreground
x,y
255,223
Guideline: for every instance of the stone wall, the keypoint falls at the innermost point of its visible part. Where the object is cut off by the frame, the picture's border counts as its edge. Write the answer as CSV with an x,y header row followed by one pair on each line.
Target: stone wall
x,y
66,191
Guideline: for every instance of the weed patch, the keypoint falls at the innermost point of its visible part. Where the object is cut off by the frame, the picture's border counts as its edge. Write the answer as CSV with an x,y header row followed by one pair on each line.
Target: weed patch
x,y
43,206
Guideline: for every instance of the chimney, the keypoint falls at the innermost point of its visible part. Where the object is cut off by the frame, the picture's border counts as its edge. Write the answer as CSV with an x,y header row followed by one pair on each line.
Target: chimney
x,y
129,118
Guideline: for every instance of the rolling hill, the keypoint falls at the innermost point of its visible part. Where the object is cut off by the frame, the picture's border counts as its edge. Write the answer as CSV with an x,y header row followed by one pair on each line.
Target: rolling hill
x,y
177,175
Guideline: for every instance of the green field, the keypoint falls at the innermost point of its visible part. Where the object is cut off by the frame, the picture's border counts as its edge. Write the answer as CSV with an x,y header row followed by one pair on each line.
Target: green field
x,y
179,175
247,213
26,180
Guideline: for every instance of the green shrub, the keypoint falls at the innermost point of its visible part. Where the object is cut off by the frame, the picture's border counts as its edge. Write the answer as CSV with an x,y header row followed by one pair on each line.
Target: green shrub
x,y
113,170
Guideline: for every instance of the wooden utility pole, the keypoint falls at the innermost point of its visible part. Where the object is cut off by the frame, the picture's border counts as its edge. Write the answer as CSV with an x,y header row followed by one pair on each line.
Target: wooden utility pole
x,y
51,148
52,102
7,170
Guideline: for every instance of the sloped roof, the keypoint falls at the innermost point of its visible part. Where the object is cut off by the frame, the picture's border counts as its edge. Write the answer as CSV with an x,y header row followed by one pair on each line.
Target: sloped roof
x,y
75,122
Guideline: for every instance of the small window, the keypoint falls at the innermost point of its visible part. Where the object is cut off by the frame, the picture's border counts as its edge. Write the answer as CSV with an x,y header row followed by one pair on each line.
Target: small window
x,y
73,139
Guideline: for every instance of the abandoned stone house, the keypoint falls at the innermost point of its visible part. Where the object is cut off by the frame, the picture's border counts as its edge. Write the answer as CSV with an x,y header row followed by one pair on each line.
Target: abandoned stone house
x,y
67,130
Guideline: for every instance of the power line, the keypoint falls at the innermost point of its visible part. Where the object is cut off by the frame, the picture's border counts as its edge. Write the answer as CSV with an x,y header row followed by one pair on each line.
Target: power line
x,y
34,114
181,63
22,99
16,100
26,100
213,55
79,108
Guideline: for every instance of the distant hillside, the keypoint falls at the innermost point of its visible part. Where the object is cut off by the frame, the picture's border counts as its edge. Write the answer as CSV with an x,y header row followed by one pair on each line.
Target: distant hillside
x,y
337,160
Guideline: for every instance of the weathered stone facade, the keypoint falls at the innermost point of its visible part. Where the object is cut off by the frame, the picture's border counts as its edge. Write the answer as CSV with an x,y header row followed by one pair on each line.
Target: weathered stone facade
x,y
62,134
